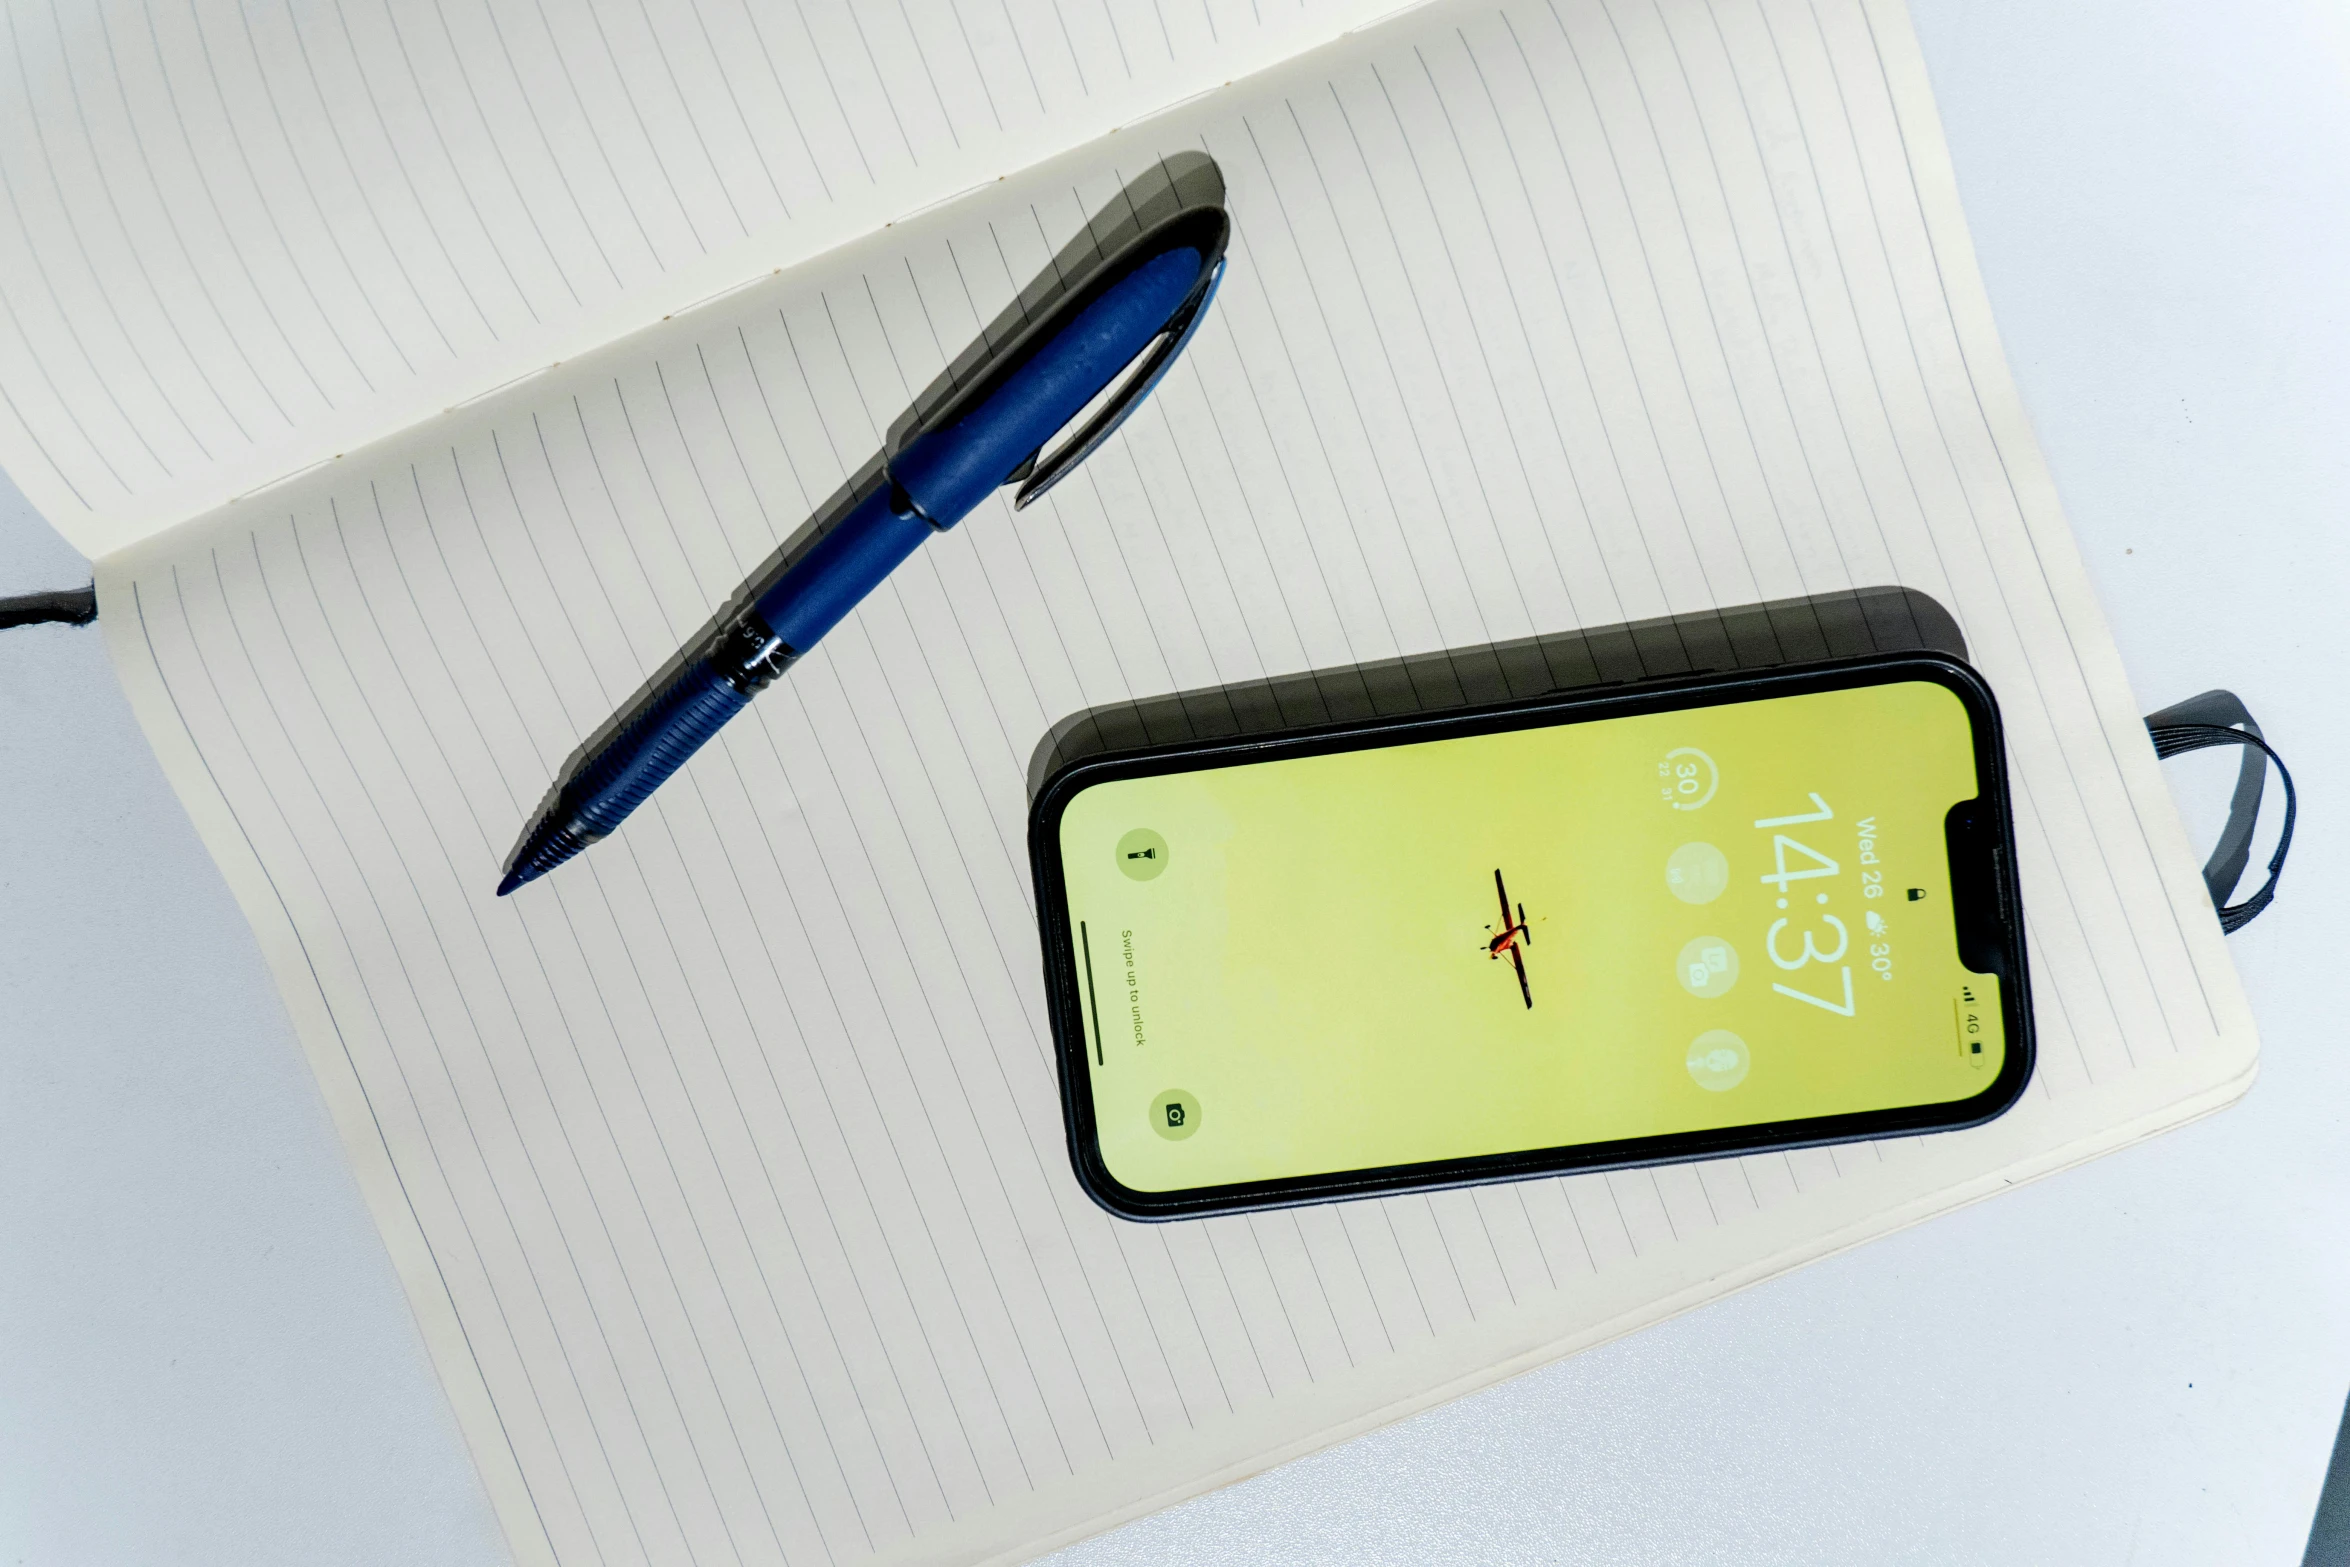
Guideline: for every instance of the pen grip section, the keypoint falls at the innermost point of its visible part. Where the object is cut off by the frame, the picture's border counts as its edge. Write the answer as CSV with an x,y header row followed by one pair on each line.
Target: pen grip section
x,y
654,743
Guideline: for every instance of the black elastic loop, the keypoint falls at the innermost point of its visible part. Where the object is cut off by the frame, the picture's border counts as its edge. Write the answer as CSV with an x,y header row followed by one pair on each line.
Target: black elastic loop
x,y
2174,739
2228,857
74,607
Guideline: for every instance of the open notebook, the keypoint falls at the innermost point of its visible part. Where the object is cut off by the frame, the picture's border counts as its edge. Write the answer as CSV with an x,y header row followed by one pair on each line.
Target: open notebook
x,y
726,1178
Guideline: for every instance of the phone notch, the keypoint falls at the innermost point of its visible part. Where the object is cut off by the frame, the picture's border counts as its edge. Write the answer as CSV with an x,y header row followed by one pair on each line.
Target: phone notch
x,y
1978,887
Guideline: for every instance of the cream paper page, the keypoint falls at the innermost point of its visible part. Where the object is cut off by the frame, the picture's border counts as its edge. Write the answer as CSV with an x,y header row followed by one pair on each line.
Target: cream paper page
x,y
239,238
725,1167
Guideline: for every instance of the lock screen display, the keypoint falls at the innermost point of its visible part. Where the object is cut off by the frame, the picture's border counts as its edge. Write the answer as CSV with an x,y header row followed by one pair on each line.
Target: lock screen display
x,y
1573,934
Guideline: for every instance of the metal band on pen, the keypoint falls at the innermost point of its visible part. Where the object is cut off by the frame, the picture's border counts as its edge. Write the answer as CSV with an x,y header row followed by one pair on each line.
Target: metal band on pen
x,y
749,655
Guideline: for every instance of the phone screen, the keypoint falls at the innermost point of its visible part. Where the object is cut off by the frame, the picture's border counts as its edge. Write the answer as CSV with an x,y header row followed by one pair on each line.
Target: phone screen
x,y
1578,933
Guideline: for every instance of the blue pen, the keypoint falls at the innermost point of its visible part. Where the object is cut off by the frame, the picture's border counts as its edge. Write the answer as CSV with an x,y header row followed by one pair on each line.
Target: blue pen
x,y
1133,313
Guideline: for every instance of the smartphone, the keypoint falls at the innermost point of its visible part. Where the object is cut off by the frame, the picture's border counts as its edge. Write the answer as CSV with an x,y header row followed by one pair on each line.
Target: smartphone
x,y
1626,926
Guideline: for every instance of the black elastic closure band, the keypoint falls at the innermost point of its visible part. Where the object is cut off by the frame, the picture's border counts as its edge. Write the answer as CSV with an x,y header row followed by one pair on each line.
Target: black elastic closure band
x,y
73,607
2219,718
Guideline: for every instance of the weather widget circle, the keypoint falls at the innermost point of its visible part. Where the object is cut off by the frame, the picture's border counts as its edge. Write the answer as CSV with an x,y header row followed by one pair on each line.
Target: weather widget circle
x,y
1687,778
1718,1060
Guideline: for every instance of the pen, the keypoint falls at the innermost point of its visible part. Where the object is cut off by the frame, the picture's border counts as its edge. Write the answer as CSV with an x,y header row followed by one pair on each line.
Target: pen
x,y
1129,317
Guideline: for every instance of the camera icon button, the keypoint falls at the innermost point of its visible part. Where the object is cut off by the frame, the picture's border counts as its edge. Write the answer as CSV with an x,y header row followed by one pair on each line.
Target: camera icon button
x,y
1175,1115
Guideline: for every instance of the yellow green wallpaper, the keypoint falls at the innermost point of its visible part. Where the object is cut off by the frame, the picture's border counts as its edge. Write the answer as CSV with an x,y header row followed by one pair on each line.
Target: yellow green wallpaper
x,y
1730,915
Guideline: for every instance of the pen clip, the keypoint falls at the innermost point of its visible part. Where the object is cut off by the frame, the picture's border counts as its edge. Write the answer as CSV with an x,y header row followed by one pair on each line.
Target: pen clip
x,y
1116,401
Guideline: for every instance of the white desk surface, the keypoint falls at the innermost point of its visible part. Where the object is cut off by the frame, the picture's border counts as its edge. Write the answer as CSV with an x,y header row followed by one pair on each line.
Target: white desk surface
x,y
205,1358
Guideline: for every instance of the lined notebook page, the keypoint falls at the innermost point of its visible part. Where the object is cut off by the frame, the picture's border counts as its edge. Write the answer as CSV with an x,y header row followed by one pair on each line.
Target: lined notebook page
x,y
725,1167
239,239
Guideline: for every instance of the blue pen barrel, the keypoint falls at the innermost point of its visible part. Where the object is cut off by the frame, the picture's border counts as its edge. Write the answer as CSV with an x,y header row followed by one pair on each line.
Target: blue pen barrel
x,y
860,550
855,554
810,597
1043,382
822,586
654,743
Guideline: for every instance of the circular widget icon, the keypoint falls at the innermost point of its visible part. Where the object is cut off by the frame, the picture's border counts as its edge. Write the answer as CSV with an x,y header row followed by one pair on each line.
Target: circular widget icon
x,y
1142,854
1697,873
1707,967
1687,778
1175,1114
1718,1060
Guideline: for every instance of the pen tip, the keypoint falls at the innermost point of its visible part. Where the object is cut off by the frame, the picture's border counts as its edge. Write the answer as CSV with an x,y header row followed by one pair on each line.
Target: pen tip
x,y
546,846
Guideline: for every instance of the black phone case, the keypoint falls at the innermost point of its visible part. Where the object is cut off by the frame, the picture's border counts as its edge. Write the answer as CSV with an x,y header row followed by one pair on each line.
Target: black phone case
x,y
1784,648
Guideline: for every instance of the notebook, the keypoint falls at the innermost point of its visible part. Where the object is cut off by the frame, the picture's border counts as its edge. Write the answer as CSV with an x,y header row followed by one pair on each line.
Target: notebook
x,y
420,376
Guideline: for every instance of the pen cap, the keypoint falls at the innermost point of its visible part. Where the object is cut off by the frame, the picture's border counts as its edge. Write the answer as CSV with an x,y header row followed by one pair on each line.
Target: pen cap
x,y
1064,360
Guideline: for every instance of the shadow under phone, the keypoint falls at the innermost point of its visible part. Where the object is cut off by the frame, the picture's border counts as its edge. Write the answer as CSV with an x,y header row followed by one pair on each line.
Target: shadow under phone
x,y
1774,635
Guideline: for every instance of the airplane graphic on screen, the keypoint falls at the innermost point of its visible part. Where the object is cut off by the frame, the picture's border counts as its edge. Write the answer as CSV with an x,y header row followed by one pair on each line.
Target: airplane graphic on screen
x,y
1513,938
